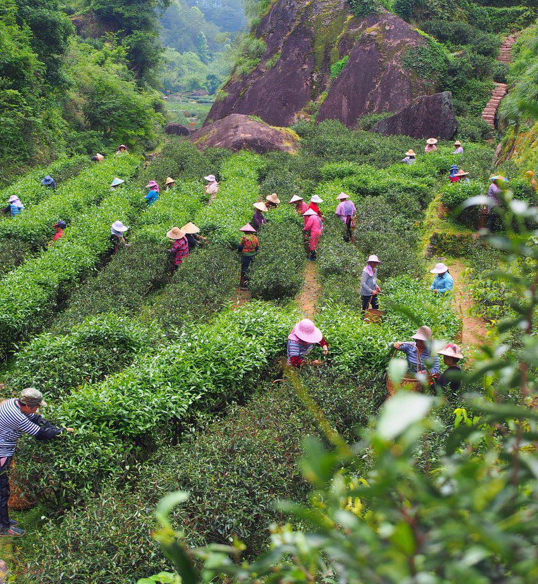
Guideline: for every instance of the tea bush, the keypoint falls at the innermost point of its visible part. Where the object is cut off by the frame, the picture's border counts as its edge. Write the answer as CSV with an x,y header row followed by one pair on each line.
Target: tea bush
x,y
125,416
181,160
223,218
277,270
426,308
29,188
67,202
29,294
235,472
87,354
133,272
454,194
12,253
202,285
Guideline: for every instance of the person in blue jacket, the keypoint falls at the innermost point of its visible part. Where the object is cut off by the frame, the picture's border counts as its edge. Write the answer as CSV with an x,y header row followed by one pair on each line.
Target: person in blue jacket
x,y
153,193
14,206
443,281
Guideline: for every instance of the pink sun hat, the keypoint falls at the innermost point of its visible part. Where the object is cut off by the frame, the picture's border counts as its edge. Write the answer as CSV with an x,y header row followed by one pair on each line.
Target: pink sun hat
x,y
151,184
247,228
307,331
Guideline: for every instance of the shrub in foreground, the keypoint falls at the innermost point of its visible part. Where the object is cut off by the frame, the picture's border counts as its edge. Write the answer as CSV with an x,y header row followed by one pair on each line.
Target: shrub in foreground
x,y
235,472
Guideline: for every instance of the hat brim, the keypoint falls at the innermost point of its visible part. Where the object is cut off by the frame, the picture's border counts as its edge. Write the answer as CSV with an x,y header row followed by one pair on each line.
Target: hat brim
x,y
419,337
314,337
172,235
447,354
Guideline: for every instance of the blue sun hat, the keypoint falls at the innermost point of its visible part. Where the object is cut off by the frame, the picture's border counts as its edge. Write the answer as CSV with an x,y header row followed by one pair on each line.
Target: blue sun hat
x,y
453,170
48,181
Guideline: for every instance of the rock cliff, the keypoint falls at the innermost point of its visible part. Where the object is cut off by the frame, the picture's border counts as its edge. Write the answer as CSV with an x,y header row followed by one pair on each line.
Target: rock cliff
x,y
320,58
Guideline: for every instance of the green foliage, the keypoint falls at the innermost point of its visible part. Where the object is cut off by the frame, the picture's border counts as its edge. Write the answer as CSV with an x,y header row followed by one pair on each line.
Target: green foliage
x,y
277,270
202,285
404,8
222,220
458,34
429,61
362,8
201,370
90,351
422,307
30,293
250,50
474,129
259,443
337,67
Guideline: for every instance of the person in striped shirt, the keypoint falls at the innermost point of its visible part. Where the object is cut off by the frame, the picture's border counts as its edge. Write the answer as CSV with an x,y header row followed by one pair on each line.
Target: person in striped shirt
x,y
301,341
17,417
180,246
418,353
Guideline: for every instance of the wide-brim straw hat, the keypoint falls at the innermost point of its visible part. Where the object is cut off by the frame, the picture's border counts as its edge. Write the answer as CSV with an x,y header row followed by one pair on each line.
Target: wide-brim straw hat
x,y
431,141
457,143
342,197
273,199
439,269
175,233
190,229
309,212
410,153
461,172
307,331
169,181
296,199
452,350
122,146
99,157
247,228
373,258
119,226
210,178
316,199
424,333
260,206
116,182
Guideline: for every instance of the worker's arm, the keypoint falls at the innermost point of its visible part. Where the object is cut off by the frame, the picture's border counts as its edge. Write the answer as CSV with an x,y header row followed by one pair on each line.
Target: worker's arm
x,y
47,430
435,369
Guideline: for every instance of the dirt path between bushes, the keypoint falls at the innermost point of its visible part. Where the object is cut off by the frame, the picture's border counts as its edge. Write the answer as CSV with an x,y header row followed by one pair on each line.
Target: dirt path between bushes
x,y
240,297
308,296
473,328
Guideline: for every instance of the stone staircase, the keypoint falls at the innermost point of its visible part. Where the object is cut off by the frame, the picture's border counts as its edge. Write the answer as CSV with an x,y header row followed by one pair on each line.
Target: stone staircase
x,y
490,111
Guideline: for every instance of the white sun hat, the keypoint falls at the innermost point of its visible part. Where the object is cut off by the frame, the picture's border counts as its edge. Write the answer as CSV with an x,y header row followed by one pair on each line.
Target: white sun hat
x,y
424,333
296,199
452,350
210,178
374,258
309,212
119,226
117,181
439,269
342,196
316,199
260,206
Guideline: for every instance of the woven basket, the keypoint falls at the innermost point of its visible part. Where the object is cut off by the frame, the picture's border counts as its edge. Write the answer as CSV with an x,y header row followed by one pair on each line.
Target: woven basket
x,y
19,499
408,382
373,315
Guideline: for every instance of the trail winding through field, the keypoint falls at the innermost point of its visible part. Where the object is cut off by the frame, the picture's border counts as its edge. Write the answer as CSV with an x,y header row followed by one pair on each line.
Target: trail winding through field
x,y
473,328
308,296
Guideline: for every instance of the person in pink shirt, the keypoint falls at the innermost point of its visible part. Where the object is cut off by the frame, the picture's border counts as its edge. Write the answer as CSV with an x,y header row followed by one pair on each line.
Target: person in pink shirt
x,y
300,205
313,226
346,212
431,145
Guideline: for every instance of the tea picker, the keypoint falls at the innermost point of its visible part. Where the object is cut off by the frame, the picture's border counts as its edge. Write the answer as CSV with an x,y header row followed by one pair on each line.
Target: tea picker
x,y
117,235
451,377
180,246
153,192
369,287
19,416
248,248
301,341
443,281
300,206
418,352
258,220
346,212
14,206
314,202
192,233
430,145
314,227
212,188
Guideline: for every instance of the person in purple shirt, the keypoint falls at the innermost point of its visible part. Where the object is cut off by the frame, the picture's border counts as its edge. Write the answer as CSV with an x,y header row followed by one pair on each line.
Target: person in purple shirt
x,y
346,211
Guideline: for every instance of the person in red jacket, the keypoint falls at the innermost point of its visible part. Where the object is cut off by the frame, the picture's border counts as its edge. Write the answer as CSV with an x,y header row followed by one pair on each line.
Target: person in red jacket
x,y
60,226
314,201
180,246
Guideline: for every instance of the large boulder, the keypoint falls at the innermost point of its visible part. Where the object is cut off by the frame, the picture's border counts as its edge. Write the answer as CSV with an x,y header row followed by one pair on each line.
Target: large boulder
x,y
239,132
430,116
303,68
177,130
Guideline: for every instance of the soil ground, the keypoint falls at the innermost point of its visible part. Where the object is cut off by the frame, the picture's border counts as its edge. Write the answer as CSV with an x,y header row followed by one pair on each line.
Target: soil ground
x,y
308,296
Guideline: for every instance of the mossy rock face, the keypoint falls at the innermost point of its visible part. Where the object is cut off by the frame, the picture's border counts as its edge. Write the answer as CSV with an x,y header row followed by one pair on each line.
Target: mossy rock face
x,y
304,39
238,132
